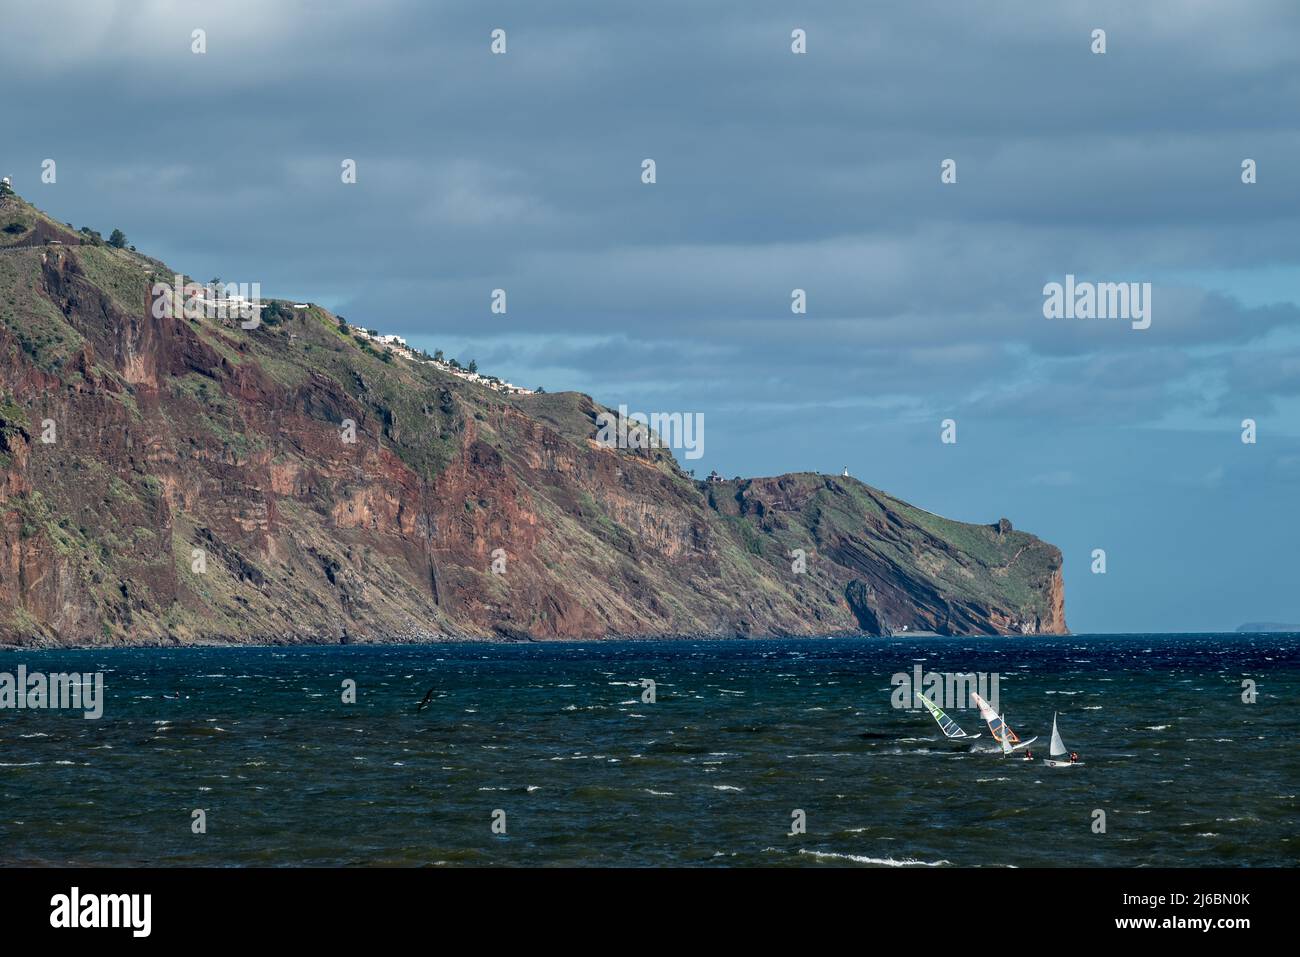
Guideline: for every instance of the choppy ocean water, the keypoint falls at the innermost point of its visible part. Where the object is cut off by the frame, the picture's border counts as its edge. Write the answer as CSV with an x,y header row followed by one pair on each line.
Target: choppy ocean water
x,y
742,734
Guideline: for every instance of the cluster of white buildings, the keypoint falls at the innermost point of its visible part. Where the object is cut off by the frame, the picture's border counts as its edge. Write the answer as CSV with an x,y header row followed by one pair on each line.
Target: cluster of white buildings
x,y
490,381
397,345
225,302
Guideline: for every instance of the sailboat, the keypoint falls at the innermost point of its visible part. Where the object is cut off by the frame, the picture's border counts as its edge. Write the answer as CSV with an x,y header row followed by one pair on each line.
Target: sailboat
x,y
948,726
1058,749
1002,732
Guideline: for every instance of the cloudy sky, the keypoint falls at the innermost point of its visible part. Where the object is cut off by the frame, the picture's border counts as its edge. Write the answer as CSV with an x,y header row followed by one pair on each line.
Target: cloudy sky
x,y
775,171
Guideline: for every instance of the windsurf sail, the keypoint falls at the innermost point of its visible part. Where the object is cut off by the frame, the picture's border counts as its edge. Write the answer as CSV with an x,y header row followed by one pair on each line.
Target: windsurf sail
x,y
948,726
1058,746
1006,743
996,724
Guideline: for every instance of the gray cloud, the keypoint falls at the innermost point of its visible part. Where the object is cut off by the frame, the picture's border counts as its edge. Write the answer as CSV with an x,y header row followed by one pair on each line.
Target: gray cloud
x,y
775,171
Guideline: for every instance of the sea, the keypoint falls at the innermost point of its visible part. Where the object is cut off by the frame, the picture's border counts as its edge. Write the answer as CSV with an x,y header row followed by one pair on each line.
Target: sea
x,y
746,753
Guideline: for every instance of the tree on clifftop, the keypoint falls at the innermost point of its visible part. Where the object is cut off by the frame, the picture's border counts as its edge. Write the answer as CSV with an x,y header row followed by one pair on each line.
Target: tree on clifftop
x,y
117,239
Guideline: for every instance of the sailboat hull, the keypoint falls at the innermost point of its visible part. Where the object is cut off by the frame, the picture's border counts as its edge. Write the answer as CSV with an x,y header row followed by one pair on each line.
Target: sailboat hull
x,y
1062,764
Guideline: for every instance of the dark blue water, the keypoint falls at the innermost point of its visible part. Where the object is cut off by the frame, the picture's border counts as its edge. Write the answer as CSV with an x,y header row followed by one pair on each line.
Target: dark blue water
x,y
741,735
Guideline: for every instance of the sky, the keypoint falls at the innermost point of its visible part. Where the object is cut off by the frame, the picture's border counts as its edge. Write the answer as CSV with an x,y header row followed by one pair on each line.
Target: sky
x,y
774,171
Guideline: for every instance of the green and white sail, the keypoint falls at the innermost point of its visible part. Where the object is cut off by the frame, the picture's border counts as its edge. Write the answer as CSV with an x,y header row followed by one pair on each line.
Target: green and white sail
x,y
948,726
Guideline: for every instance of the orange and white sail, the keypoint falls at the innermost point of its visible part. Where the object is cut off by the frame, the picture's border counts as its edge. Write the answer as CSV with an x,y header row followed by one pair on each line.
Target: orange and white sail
x,y
999,727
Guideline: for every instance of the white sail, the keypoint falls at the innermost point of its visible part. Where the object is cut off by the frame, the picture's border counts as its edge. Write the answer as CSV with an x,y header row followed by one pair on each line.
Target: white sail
x,y
986,712
1006,740
1058,746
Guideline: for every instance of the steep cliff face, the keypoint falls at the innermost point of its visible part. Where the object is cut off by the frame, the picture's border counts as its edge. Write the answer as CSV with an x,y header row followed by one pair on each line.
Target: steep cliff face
x,y
179,480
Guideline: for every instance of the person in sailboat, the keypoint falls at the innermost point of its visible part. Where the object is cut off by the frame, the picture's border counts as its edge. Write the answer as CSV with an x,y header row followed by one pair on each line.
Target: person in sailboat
x,y
1074,757
1029,755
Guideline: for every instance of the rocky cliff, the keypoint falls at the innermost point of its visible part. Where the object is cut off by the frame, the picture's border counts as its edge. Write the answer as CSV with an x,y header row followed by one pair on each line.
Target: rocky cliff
x,y
175,480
